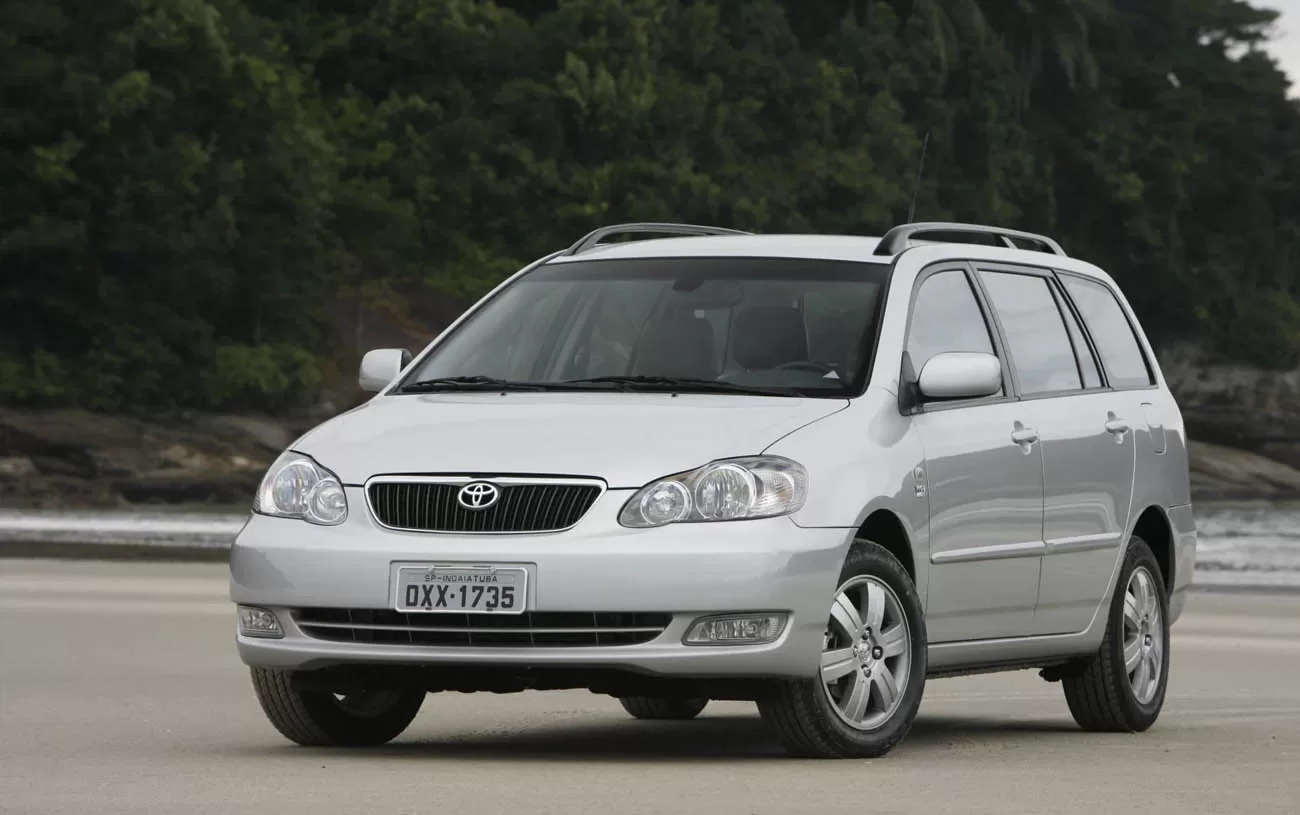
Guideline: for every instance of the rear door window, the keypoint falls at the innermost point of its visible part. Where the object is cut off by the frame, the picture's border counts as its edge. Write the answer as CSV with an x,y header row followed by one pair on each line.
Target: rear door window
x,y
1121,354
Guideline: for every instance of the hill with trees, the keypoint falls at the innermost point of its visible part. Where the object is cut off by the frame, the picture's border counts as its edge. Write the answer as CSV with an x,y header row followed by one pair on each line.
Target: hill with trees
x,y
195,190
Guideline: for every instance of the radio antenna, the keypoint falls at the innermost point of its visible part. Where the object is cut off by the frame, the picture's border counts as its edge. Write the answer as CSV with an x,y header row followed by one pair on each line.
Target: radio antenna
x,y
916,188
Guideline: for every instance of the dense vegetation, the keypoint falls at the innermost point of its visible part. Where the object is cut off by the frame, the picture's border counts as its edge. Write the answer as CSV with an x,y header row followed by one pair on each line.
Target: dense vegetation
x,y
192,189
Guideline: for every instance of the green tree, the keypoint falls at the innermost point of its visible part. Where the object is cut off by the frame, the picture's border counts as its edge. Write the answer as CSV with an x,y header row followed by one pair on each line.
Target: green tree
x,y
199,191
168,189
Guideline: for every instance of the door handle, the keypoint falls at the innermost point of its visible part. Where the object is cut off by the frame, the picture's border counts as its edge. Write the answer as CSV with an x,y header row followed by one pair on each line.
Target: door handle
x,y
1116,426
1024,436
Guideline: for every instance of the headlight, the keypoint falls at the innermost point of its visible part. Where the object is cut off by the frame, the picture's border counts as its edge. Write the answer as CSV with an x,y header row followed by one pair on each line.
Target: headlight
x,y
727,490
297,487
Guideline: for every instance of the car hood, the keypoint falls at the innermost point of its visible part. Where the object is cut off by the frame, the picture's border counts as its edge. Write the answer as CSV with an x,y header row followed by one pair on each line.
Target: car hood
x,y
628,439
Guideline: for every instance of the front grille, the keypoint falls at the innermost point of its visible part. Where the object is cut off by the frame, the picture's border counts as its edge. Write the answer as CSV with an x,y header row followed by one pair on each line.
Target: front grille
x,y
532,628
433,506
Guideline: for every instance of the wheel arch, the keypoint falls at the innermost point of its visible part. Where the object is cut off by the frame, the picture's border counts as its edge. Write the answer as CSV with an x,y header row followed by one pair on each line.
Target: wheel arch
x,y
1153,527
886,529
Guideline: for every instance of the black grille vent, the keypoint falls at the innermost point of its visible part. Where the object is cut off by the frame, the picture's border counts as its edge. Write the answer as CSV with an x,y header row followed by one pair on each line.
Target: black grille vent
x,y
427,506
530,629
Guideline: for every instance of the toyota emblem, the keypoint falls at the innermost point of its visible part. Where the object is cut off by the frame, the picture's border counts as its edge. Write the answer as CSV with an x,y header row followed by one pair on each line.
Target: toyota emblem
x,y
478,495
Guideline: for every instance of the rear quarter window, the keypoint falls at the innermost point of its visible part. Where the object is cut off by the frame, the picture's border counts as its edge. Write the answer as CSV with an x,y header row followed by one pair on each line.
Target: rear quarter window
x,y
1117,344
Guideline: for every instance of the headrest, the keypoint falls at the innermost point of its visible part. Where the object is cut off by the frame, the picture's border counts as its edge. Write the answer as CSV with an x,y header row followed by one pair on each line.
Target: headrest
x,y
677,344
767,336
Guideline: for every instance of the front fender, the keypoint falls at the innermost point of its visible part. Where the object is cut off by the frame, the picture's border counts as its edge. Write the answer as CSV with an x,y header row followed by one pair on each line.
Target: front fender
x,y
861,460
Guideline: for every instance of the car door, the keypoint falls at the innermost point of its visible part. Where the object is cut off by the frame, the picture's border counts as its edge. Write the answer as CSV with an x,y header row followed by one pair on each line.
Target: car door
x,y
983,477
1086,433
1125,368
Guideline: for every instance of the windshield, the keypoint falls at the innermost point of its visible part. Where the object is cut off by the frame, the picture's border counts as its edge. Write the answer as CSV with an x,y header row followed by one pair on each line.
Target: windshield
x,y
780,326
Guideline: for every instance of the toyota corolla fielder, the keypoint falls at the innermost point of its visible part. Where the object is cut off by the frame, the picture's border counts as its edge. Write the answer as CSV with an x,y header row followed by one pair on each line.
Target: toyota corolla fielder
x,y
806,471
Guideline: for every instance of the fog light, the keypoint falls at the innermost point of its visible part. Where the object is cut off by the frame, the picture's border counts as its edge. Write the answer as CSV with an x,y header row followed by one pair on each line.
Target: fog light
x,y
739,629
258,622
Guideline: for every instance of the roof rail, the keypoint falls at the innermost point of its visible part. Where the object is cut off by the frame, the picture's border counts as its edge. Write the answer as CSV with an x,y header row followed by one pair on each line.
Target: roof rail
x,y
895,240
594,237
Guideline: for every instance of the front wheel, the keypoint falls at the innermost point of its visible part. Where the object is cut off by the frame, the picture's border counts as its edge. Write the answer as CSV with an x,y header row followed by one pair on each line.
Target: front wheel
x,y
323,719
1121,688
868,688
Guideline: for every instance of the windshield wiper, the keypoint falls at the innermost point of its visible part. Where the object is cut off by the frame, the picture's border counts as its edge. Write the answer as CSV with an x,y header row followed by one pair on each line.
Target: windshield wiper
x,y
658,383
469,383
678,383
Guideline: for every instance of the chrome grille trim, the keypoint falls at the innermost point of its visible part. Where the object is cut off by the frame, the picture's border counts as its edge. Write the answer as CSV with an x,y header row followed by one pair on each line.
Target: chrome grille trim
x,y
530,629
448,630
564,505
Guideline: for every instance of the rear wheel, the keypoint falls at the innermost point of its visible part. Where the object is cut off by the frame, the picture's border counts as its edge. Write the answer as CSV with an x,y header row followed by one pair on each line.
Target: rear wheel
x,y
868,688
323,719
1121,688
663,707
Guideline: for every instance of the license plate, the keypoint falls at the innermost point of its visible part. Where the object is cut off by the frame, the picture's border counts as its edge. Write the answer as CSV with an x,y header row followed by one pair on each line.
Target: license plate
x,y
461,589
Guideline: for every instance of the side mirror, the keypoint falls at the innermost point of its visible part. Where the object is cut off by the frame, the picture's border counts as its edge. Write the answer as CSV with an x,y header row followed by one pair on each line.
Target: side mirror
x,y
960,375
381,366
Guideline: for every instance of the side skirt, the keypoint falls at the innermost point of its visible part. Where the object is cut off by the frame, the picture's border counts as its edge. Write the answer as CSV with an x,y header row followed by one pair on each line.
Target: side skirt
x,y
988,656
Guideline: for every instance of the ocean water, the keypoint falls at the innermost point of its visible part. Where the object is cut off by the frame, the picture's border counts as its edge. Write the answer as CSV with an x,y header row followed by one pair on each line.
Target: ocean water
x,y
151,527
1248,545
1240,545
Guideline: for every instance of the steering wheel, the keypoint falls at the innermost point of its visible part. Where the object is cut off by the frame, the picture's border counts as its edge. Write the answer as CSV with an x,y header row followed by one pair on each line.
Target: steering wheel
x,y
805,365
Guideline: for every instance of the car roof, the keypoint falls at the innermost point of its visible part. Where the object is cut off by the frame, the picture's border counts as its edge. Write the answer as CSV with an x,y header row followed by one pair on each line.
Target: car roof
x,y
718,242
819,247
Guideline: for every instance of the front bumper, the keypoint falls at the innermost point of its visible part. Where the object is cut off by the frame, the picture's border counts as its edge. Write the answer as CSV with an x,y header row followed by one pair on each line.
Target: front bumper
x,y
686,570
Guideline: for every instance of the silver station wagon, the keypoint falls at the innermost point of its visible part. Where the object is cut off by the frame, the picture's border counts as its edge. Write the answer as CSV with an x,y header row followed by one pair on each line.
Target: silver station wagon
x,y
674,464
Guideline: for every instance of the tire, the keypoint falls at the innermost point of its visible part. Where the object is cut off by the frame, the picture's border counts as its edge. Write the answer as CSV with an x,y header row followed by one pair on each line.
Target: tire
x,y
806,714
1106,696
663,707
320,719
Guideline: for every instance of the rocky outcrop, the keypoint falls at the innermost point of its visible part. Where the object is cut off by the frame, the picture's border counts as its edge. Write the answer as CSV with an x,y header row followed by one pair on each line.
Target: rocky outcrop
x,y
1224,473
75,458
1200,378
1243,422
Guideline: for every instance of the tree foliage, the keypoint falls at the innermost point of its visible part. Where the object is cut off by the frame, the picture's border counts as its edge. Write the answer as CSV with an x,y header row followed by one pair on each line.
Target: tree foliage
x,y
192,187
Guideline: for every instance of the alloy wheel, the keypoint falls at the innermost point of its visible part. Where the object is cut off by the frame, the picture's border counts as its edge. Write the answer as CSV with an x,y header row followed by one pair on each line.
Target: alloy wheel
x,y
866,655
1144,636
